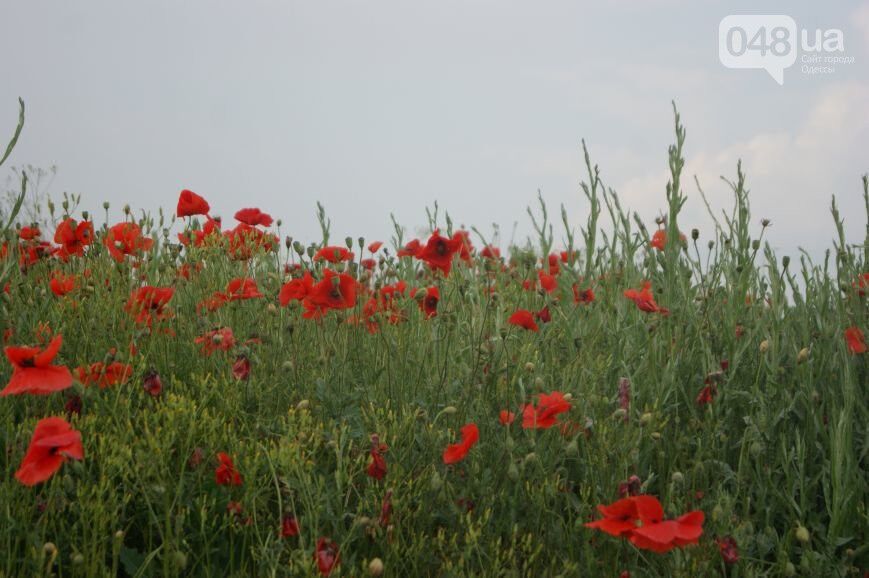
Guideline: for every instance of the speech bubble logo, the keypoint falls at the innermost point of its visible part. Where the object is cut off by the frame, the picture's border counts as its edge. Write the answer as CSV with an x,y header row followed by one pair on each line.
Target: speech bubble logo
x,y
768,42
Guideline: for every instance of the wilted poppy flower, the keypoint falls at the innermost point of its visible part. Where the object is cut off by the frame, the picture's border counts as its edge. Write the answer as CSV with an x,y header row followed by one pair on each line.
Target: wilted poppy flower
x,y
225,474
429,303
242,288
253,217
544,316
438,252
728,549
583,296
327,556
506,417
32,371
375,246
457,452
61,284
368,264
631,486
152,383
126,239
644,299
190,204
333,254
856,341
549,406
377,467
73,237
289,526
148,304
104,375
296,289
706,395
523,318
53,442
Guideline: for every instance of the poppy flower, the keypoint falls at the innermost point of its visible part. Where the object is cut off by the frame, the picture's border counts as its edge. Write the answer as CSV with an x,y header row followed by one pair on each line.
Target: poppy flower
x,y
377,467
706,395
659,239
429,303
152,383
582,296
523,318
856,340
490,252
216,340
728,549
548,283
289,526
198,237
619,518
61,284
190,204
253,217
104,375
644,299
375,246
457,452
438,252
368,264
410,249
554,266
147,304
53,442
334,291
549,406
225,474
544,316
73,237
241,368
327,556
506,417
32,371
465,245
28,233
296,289
244,240
126,239
333,254
242,288
660,535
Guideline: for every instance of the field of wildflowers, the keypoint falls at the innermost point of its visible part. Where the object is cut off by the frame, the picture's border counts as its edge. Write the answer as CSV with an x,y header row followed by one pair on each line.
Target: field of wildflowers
x,y
183,395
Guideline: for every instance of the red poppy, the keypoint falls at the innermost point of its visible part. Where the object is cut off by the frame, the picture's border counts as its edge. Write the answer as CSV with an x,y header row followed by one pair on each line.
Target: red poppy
x,y
644,299
335,291
706,395
61,284
544,316
659,239
410,249
506,417
27,233
198,237
327,556
728,549
296,289
583,296
225,474
242,288
548,282
190,204
377,468
619,518
104,375
429,303
152,383
490,252
32,371
241,368
126,239
289,526
465,245
53,442
333,254
147,304
457,452
368,264
253,217
523,318
554,267
856,340
438,252
375,246
549,406
73,237
245,239
660,535
216,340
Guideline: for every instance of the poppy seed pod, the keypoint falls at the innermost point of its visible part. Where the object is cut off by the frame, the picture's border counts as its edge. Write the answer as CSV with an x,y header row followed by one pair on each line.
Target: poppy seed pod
x,y
375,567
803,355
802,534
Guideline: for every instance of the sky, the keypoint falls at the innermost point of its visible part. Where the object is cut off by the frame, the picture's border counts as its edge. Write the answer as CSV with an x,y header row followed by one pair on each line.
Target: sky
x,y
383,107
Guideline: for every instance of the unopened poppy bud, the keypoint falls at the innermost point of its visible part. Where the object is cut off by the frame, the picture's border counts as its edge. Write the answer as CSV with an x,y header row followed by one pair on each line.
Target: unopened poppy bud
x,y
620,413
677,478
765,222
180,559
279,222
311,251
529,459
802,534
271,308
436,482
288,242
119,536
646,418
710,244
717,513
106,205
85,215
287,365
538,381
790,569
77,559
127,209
803,355
755,245
572,449
785,261
449,410
65,205
298,248
764,346
656,435
361,241
375,567
756,449
695,234
529,367
349,242
49,548
568,396
304,404
513,472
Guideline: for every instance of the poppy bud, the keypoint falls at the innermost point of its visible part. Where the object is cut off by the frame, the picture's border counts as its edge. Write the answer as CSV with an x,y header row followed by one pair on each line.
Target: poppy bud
x,y
677,478
180,559
538,381
790,569
803,355
756,449
361,241
84,215
349,242
785,261
695,234
302,405
710,244
646,418
529,459
755,245
77,559
311,251
529,367
127,209
572,449
513,472
802,534
764,346
436,482
119,536
288,242
50,549
279,222
298,248
619,414
287,365
375,567
765,222
717,512
656,435
449,410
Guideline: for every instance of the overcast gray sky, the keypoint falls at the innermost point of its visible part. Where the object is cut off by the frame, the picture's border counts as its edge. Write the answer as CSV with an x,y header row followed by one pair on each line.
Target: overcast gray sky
x,y
386,106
